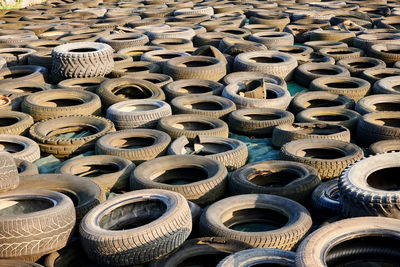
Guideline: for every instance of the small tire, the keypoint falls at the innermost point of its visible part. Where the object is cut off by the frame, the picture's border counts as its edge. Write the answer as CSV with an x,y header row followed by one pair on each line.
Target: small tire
x,y
384,146
325,200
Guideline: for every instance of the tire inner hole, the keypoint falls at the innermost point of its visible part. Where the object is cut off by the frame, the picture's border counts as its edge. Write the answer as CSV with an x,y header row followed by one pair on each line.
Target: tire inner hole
x,y
275,178
331,118
7,121
205,106
194,89
291,50
266,59
342,85
385,179
181,176
132,142
389,122
11,147
142,107
204,149
14,75
65,102
330,129
209,259
135,69
324,71
197,63
387,106
194,126
261,117
340,52
25,89
82,50
73,131
131,91
14,206
133,215
361,65
314,103
94,170
167,56
321,153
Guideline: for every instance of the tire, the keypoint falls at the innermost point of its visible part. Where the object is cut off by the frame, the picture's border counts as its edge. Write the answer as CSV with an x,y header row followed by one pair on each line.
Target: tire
x,y
244,76
67,63
206,177
317,99
258,122
23,73
157,78
204,250
387,53
300,52
179,44
372,76
285,133
15,122
230,152
66,147
195,67
84,193
384,146
265,256
351,240
137,51
378,126
382,102
206,105
20,147
55,217
110,173
354,88
172,32
325,200
166,228
317,45
329,166
308,72
16,56
18,263
160,57
26,168
276,96
211,51
332,35
129,88
61,102
272,39
221,216
40,58
286,179
387,86
195,125
136,145
120,41
87,84
211,38
9,172
339,116
357,65
282,64
192,87
135,67
140,113
339,53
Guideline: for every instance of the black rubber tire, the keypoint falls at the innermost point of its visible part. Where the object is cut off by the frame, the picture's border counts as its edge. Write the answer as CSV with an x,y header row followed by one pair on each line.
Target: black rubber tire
x,y
134,67
339,53
365,63
43,105
111,173
376,126
67,63
157,78
20,233
192,87
387,86
308,72
207,177
18,263
206,105
244,76
26,168
87,84
339,116
65,147
283,65
220,216
356,234
136,145
181,68
230,152
267,256
381,102
316,99
108,90
120,41
84,193
213,126
140,113
276,96
207,250
20,147
354,88
282,178
328,166
372,76
384,146
16,122
387,53
325,200
258,122
285,133
23,73
168,223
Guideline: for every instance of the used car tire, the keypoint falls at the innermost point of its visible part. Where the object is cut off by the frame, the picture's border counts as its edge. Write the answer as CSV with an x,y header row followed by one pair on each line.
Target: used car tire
x,y
192,87
308,72
15,122
387,85
325,200
25,167
20,147
384,146
377,126
380,102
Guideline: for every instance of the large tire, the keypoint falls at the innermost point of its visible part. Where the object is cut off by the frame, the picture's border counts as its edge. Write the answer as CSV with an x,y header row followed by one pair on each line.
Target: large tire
x,y
384,146
367,187
15,122
40,222
325,200
328,157
81,60
204,178
165,216
111,173
290,220
282,178
352,241
285,133
136,145
20,147
61,102
8,172
84,193
375,103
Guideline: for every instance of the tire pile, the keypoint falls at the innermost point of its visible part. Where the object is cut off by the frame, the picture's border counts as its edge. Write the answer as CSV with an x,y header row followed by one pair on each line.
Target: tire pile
x,y
154,87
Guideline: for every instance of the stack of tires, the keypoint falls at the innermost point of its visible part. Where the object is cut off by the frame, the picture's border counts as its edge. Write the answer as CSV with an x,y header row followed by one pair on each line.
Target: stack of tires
x,y
145,113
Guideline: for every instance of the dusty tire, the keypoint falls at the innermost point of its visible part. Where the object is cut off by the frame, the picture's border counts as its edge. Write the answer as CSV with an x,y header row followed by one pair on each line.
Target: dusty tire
x,y
257,208
286,179
192,87
387,85
377,126
18,263
206,177
375,103
329,166
20,147
167,226
384,146
87,84
243,76
372,76
325,200
308,72
15,122
26,168
9,172
357,65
